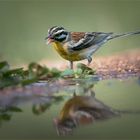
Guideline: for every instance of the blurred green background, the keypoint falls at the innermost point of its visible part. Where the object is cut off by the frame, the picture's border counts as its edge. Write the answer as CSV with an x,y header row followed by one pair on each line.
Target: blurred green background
x,y
24,25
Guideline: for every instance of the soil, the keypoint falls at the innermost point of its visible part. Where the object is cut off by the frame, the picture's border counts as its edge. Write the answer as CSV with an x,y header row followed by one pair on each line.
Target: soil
x,y
126,63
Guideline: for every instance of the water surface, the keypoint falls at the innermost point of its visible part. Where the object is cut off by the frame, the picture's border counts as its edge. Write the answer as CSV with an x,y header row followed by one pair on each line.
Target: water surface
x,y
106,109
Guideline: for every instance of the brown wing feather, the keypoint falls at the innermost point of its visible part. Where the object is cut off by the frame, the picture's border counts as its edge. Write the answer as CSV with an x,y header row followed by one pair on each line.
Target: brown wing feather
x,y
76,36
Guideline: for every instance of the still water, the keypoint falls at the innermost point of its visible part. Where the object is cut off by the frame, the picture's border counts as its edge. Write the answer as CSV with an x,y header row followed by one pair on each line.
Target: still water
x,y
72,109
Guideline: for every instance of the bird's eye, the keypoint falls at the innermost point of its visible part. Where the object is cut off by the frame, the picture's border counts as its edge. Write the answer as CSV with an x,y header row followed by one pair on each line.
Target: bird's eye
x,y
57,35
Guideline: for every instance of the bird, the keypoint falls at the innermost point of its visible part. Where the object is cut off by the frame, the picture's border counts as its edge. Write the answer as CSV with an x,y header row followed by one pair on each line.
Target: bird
x,y
81,110
76,46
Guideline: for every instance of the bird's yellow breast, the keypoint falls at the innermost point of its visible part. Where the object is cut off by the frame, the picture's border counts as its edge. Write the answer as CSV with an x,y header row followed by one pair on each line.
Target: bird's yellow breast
x,y
65,53
72,105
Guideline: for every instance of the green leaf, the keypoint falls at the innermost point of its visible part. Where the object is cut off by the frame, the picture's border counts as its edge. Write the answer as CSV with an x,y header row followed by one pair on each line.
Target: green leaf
x,y
37,69
85,69
83,66
4,66
28,81
78,71
6,117
55,72
18,71
38,109
58,99
5,82
15,109
67,72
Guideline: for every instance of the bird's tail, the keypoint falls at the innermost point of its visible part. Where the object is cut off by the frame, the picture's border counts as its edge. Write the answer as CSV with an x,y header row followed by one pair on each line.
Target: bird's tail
x,y
123,35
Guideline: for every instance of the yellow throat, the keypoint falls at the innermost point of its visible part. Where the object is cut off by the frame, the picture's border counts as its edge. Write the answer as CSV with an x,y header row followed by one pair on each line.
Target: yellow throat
x,y
63,51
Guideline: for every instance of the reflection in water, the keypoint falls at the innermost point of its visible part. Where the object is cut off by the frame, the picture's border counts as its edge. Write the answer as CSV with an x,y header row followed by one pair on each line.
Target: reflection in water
x,y
39,95
81,108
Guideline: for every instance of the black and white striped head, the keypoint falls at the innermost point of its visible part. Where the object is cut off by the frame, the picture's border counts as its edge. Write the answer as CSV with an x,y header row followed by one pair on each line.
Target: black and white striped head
x,y
56,33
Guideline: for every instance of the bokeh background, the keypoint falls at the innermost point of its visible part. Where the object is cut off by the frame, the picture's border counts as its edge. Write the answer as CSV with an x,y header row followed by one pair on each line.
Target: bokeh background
x,y
24,25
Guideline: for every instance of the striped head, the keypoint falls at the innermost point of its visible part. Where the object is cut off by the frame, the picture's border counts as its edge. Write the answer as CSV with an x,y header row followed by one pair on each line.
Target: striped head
x,y
56,34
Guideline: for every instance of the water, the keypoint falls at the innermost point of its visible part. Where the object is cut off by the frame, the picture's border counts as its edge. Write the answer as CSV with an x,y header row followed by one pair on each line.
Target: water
x,y
105,109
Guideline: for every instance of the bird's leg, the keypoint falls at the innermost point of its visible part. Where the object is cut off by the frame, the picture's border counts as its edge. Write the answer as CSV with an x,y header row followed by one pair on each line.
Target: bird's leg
x,y
71,64
89,60
74,94
92,93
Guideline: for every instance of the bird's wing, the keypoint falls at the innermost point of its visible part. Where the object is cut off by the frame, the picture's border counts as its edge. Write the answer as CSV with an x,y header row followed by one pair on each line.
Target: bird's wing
x,y
82,40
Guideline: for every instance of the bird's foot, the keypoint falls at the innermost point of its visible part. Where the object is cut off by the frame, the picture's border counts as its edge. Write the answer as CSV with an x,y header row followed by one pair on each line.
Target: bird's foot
x,y
71,64
89,61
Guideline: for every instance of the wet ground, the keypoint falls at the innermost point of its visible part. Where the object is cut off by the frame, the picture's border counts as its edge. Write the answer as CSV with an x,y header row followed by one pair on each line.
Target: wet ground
x,y
89,108
125,63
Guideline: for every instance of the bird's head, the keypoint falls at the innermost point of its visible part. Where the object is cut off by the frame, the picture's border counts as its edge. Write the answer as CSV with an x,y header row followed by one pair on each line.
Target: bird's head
x,y
56,34
64,127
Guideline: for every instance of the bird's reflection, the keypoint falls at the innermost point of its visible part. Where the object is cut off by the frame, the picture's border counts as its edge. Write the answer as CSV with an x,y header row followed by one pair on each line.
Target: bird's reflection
x,y
81,109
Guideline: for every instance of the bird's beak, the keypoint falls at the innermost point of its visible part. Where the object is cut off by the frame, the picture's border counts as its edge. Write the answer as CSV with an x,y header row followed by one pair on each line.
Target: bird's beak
x,y
48,40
